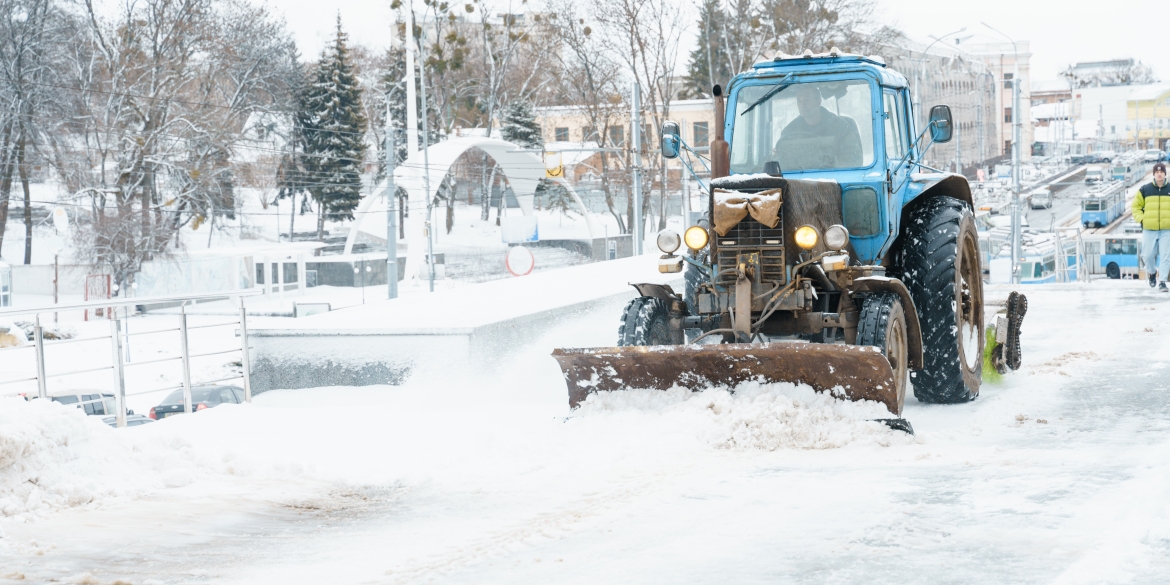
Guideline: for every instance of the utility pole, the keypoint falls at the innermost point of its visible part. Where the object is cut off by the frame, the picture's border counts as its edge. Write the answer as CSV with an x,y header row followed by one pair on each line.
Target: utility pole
x,y
412,135
427,187
636,143
1016,232
683,180
411,103
1016,235
391,210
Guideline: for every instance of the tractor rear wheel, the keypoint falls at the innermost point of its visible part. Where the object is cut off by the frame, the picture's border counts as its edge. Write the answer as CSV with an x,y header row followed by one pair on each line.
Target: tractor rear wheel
x,y
882,324
939,263
646,321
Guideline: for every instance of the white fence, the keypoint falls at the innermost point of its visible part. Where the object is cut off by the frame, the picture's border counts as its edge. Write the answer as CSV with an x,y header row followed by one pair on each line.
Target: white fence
x,y
118,335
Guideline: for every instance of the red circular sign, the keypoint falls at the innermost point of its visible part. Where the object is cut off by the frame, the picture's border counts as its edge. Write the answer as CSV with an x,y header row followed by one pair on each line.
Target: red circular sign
x,y
519,261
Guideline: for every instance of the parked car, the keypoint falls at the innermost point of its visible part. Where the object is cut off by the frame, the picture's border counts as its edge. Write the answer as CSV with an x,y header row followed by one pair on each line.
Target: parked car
x,y
93,402
1094,174
1153,155
132,420
1105,156
202,398
1040,198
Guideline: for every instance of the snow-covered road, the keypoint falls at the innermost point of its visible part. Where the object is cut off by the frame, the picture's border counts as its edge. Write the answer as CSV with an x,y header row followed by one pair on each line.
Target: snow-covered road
x,y
1060,474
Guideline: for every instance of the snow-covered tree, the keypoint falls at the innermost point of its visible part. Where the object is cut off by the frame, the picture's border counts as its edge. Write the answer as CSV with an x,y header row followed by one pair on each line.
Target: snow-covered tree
x,y
554,197
520,126
1120,72
334,127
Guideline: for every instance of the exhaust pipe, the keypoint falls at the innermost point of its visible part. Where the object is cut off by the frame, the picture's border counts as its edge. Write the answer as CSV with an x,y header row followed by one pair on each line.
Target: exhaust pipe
x,y
720,150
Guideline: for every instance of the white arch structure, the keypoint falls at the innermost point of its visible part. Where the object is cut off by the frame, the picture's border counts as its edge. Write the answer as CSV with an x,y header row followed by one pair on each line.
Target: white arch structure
x,y
524,171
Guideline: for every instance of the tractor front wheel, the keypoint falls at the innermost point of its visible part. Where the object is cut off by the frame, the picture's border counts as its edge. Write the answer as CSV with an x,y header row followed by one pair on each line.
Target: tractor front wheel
x,y
882,324
646,321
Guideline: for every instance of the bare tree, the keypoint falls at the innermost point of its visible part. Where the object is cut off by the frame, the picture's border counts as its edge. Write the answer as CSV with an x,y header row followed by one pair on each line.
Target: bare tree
x,y
645,35
590,84
512,56
26,70
159,95
117,242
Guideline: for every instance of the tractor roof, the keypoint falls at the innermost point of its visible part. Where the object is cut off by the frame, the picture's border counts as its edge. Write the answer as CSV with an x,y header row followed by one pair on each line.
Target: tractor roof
x,y
830,62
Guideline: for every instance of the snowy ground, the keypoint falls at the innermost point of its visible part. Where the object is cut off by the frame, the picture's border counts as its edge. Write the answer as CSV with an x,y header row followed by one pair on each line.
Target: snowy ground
x,y
1060,474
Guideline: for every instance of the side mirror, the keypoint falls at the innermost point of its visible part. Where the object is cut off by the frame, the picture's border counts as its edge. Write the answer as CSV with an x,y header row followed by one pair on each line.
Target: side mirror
x,y
671,143
941,128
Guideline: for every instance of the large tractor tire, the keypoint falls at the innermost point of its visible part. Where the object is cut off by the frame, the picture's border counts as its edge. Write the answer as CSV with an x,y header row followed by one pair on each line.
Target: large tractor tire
x,y
882,324
938,260
646,321
692,278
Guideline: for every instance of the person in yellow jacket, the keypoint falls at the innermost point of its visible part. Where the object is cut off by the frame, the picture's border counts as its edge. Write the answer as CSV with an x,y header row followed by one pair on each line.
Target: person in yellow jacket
x,y
1151,208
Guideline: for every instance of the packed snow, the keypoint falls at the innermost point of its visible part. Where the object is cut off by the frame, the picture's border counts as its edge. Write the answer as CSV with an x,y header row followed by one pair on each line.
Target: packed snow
x,y
464,474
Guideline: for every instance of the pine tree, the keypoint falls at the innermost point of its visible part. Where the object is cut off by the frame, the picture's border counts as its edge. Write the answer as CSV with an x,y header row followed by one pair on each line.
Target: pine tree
x,y
556,198
519,125
334,129
709,51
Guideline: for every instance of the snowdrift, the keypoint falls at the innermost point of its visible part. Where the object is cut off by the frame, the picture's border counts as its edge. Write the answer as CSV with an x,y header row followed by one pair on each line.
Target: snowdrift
x,y
756,416
54,457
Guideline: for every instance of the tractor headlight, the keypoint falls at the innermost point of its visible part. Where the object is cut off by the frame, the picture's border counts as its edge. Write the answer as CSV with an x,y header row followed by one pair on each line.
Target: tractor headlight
x,y
806,237
696,237
668,241
836,237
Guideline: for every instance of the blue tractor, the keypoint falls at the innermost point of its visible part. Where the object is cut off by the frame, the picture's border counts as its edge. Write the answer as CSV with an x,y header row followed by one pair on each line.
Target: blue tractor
x,y
824,226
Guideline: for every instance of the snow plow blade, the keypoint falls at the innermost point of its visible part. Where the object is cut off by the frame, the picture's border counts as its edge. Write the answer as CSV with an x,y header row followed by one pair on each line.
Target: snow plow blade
x,y
850,372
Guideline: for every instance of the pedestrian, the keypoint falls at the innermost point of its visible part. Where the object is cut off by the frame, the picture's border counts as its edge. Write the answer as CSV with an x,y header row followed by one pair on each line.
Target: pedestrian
x,y
1151,208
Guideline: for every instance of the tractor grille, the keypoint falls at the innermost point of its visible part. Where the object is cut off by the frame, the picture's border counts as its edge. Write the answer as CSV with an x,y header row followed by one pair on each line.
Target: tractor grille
x,y
750,233
747,237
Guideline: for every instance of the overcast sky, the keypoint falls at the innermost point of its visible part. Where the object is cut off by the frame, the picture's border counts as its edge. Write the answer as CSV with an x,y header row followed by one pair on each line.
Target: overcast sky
x,y
1060,33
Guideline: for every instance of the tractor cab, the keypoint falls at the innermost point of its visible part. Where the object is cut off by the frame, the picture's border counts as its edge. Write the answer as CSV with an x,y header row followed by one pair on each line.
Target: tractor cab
x,y
844,118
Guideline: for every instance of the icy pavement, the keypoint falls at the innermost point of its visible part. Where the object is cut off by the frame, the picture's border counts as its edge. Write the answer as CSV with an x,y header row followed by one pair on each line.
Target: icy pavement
x,y
1060,474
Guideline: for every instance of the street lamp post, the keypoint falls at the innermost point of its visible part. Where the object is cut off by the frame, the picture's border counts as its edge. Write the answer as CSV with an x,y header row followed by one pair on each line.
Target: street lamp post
x,y
922,72
1016,235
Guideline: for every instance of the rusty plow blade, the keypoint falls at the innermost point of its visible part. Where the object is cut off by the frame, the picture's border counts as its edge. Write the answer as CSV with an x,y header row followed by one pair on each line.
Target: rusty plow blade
x,y
850,372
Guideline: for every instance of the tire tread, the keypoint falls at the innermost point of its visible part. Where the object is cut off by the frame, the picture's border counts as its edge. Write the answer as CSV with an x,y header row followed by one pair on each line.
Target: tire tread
x,y
927,266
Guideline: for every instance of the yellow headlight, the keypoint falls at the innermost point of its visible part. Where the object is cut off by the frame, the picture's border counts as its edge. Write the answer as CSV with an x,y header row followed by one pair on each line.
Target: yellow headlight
x,y
696,237
806,236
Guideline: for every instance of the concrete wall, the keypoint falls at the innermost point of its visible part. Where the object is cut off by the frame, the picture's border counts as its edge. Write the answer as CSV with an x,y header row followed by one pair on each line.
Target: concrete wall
x,y
307,359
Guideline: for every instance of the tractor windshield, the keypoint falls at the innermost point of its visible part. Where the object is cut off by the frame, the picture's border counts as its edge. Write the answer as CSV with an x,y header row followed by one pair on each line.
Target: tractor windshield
x,y
803,126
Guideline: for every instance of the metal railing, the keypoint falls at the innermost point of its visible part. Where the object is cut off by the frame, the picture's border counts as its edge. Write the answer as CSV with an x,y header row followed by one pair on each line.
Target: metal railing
x,y
118,361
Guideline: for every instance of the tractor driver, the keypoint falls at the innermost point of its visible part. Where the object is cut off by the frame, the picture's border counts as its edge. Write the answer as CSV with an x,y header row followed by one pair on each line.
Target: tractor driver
x,y
844,147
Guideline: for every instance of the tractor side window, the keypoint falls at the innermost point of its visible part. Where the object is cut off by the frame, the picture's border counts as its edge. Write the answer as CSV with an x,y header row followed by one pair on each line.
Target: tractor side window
x,y
895,127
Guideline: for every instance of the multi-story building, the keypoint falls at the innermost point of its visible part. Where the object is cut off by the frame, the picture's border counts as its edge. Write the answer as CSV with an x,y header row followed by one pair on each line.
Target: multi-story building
x,y
1127,116
1009,64
940,73
568,129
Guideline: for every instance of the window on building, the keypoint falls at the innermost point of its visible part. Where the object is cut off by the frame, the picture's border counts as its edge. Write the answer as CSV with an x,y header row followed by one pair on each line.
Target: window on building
x,y
617,136
1007,147
699,132
1113,129
1007,115
1007,80
562,134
